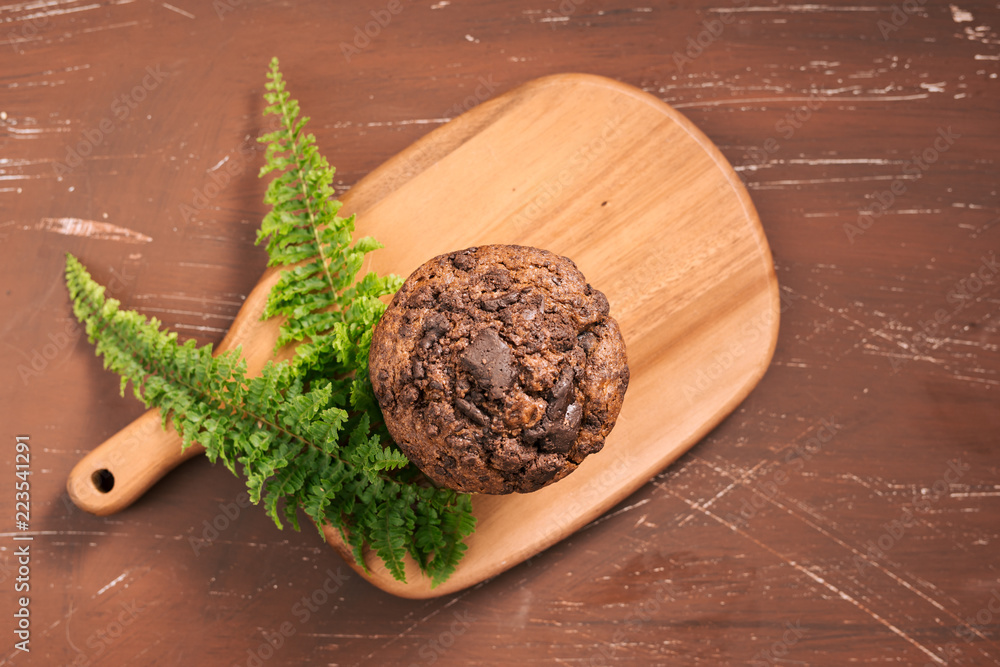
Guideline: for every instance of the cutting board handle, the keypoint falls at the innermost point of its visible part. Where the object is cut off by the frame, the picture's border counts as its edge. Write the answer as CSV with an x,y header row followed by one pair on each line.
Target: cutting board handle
x,y
122,468
114,475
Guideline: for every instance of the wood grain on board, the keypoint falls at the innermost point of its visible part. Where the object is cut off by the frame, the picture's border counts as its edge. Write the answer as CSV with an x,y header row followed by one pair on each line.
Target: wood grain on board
x,y
648,208
845,512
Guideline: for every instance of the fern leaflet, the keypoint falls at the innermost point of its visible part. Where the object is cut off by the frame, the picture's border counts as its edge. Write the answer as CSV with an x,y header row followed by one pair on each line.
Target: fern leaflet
x,y
306,434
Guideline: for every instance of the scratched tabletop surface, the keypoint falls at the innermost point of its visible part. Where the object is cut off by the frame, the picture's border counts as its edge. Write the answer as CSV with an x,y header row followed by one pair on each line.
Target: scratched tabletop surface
x,y
848,512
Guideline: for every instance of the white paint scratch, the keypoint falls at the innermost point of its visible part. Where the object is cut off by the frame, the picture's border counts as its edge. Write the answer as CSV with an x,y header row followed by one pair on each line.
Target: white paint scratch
x,y
56,12
857,553
218,164
802,9
193,327
783,100
415,121
103,231
959,15
178,10
815,577
818,579
110,26
859,160
114,582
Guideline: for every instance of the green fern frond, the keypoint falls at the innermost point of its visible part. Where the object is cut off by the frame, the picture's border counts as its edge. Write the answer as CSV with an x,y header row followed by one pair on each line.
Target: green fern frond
x,y
306,434
320,298
291,442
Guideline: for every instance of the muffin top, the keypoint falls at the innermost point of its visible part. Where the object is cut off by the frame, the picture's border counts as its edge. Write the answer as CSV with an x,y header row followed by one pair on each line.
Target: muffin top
x,y
498,368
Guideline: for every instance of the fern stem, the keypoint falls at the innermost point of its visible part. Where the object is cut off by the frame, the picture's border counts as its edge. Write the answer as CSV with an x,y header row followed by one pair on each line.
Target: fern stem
x,y
123,342
307,200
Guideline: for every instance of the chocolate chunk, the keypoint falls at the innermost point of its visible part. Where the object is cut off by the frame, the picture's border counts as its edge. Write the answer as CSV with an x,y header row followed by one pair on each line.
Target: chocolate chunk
x,y
561,435
574,416
498,277
471,411
560,439
490,362
511,457
536,433
464,260
452,302
587,341
543,470
600,302
493,305
436,325
562,394
409,395
422,297
417,369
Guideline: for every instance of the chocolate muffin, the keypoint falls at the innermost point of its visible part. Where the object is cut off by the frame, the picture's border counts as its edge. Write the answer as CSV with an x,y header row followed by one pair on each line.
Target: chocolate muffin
x,y
498,369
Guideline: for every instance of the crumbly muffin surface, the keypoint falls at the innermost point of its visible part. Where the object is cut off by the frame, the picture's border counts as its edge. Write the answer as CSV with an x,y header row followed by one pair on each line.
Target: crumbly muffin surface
x,y
498,368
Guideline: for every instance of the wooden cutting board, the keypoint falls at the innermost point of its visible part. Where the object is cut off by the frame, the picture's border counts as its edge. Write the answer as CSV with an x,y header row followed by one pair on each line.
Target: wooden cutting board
x,y
653,215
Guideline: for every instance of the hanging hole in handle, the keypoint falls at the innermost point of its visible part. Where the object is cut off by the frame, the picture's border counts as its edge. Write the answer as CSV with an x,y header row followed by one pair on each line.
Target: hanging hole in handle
x,y
103,480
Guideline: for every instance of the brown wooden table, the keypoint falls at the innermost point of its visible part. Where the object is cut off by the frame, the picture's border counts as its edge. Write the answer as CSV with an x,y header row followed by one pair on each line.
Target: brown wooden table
x,y
848,511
